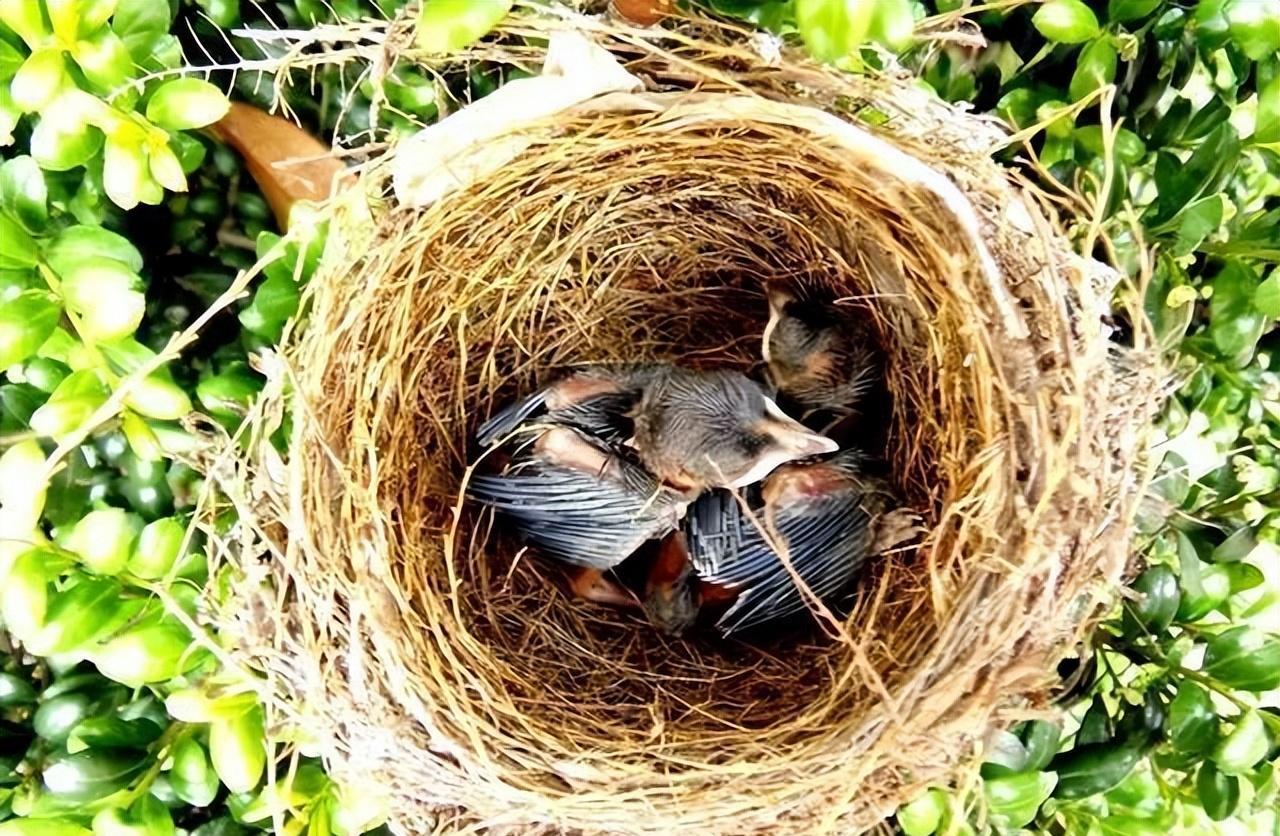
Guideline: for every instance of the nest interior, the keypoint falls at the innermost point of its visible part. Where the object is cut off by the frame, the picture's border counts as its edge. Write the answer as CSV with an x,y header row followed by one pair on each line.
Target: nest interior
x,y
434,667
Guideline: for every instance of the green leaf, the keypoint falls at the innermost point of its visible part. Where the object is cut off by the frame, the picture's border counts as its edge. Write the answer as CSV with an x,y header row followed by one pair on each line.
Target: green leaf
x,y
187,103
105,60
224,826
91,609
1157,603
43,826
1066,21
1181,182
1235,548
1198,221
10,60
94,774
40,78
446,26
10,113
166,169
923,815
1235,325
1211,24
1244,658
1205,587
24,596
141,17
24,18
834,29
78,244
104,293
26,321
893,24
104,539
1244,746
93,14
192,776
1242,576
1219,794
15,691
274,302
1041,739
1004,755
65,17
23,194
1255,27
60,145
1095,725
1128,147
1267,298
1094,768
70,405
1123,11
113,732
151,653
1095,67
238,750
19,247
60,713
1266,127
158,548
125,175
1013,800
1193,723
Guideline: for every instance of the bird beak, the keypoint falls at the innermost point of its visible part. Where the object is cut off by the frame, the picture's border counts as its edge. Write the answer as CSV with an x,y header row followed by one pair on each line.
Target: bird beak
x,y
791,441
774,314
778,298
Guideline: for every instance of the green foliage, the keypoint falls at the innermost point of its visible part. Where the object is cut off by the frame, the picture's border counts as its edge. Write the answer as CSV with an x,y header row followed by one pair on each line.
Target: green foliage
x,y
100,569
1180,727
446,26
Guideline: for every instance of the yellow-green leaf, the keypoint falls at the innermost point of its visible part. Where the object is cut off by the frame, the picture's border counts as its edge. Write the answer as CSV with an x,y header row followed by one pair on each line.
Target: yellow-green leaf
x,y
186,103
449,25
39,79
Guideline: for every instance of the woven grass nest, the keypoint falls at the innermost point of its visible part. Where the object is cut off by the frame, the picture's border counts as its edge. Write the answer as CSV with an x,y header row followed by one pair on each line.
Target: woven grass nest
x,y
431,668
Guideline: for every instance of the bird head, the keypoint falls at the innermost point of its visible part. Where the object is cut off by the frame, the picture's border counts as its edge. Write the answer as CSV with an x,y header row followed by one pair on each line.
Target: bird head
x,y
797,334
719,429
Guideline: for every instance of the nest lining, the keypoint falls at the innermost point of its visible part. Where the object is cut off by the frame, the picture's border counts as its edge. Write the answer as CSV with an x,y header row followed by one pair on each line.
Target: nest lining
x,y
433,667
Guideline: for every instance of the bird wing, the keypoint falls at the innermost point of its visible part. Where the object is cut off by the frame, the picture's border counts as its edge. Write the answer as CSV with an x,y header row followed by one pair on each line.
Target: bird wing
x,y
597,401
827,538
587,519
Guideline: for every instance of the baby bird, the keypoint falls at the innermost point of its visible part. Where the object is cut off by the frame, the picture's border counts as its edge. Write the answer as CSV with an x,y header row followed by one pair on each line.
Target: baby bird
x,y
693,430
581,504
609,458
826,516
820,355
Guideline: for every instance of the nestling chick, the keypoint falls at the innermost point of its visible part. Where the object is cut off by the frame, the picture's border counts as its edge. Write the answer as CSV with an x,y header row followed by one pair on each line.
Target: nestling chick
x,y
693,430
608,459
577,501
827,517
820,355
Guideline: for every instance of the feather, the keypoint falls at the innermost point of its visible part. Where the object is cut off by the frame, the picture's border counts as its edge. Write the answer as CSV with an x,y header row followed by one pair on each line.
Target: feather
x,y
593,518
826,537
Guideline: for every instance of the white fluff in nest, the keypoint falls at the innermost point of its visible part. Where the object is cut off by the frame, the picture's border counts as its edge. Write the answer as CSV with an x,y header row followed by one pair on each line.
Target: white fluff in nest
x,y
470,144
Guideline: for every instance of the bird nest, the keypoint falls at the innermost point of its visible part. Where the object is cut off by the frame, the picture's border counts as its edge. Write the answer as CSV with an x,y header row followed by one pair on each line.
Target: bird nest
x,y
452,675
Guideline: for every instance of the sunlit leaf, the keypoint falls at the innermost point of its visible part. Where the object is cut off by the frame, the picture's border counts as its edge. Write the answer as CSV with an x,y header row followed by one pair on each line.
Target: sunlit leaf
x,y
446,26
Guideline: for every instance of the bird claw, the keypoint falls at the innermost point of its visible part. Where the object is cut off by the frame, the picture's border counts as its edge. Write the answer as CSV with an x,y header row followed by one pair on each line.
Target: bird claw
x,y
897,527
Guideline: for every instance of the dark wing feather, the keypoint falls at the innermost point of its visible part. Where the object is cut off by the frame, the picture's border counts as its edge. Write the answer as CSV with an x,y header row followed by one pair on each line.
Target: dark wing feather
x,y
604,415
507,420
576,517
827,539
